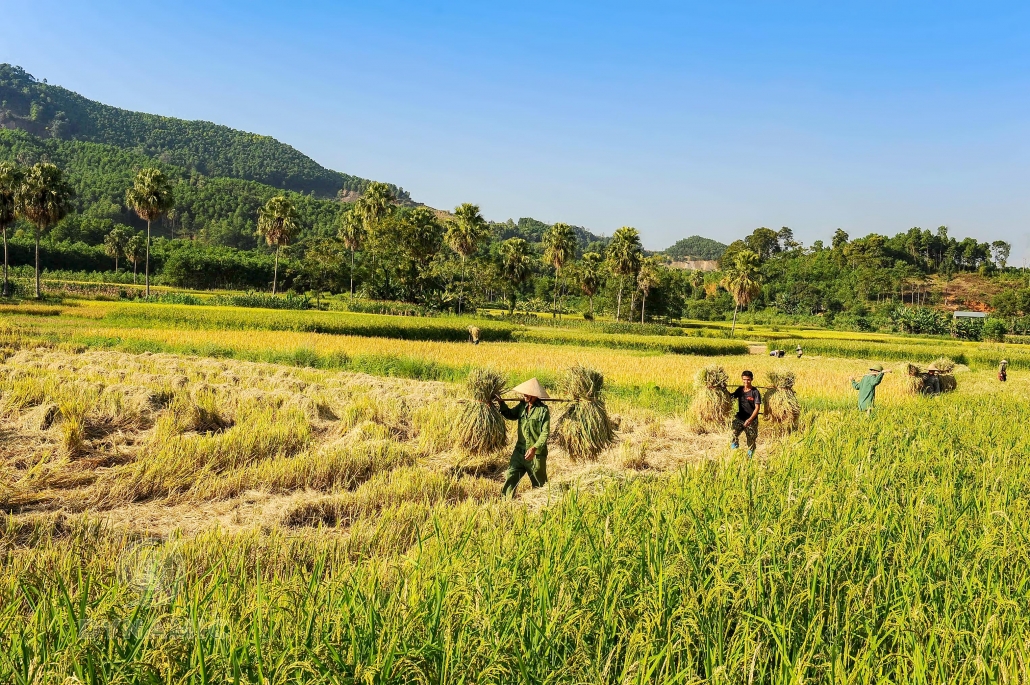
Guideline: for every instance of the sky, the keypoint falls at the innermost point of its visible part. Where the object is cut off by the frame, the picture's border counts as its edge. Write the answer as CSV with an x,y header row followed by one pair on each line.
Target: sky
x,y
676,118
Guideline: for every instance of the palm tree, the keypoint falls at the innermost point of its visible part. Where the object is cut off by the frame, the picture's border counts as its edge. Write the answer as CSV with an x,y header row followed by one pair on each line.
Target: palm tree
x,y
624,257
559,248
697,282
743,281
465,234
351,231
516,266
11,176
647,278
44,198
114,244
277,222
421,238
150,197
135,250
374,205
590,276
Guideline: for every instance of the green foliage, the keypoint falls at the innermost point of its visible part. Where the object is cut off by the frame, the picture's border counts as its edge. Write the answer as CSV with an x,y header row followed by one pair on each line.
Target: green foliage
x,y
696,247
49,111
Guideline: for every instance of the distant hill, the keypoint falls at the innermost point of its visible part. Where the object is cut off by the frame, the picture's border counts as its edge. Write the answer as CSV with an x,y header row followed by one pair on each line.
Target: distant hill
x,y
49,111
696,247
532,231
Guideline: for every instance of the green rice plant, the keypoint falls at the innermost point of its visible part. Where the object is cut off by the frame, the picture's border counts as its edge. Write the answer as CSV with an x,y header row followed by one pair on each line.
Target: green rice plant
x,y
663,344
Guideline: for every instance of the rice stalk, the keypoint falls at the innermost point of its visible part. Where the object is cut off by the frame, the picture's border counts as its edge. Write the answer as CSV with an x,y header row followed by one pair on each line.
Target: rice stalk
x,y
782,408
584,430
481,427
713,403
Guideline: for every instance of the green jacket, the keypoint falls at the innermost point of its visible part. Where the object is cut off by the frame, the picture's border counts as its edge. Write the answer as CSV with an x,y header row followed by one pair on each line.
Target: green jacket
x,y
867,389
534,427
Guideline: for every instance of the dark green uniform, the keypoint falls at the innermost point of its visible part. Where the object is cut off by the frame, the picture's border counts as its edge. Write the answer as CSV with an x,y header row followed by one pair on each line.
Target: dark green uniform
x,y
534,429
867,389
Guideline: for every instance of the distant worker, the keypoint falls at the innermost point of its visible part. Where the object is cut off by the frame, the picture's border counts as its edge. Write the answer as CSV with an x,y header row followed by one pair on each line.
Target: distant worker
x,y
749,401
867,387
932,380
798,351
1003,374
474,335
779,354
530,454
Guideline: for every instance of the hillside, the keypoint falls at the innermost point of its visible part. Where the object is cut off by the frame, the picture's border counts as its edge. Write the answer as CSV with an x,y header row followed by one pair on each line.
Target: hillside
x,y
48,111
696,247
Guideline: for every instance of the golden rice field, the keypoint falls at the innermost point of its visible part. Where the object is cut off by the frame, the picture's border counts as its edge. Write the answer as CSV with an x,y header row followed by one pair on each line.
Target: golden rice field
x,y
203,505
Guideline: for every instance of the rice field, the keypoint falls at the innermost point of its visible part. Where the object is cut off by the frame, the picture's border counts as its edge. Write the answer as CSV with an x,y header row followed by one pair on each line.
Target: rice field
x,y
265,504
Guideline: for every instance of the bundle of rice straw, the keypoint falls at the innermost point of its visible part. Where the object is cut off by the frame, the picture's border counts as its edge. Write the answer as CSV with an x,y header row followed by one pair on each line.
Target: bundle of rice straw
x,y
782,408
481,427
713,403
914,379
584,430
946,367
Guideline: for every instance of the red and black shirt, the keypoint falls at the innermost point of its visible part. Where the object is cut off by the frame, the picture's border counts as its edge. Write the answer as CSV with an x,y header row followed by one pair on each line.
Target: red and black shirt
x,y
747,400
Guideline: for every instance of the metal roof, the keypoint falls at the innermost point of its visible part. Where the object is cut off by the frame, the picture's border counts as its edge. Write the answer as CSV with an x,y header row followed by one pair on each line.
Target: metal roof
x,y
970,315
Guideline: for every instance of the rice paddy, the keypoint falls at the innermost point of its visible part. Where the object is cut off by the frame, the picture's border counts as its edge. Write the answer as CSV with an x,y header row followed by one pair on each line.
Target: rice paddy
x,y
264,503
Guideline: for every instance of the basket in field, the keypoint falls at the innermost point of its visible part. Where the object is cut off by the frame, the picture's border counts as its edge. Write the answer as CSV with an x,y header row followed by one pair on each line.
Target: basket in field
x,y
481,428
584,429
713,403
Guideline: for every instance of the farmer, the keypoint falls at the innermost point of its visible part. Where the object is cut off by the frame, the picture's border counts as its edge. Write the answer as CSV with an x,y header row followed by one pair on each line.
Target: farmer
x,y
798,350
749,401
530,454
474,335
867,387
932,381
1003,374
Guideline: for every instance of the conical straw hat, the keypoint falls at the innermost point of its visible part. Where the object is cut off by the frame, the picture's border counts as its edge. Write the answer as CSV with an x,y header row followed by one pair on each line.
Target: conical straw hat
x,y
532,388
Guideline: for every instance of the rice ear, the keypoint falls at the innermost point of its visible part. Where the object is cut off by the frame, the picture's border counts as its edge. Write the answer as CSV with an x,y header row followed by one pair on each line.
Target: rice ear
x,y
713,403
480,427
584,429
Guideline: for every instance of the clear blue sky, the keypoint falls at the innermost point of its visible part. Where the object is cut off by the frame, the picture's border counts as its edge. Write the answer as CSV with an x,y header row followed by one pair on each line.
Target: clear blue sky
x,y
677,118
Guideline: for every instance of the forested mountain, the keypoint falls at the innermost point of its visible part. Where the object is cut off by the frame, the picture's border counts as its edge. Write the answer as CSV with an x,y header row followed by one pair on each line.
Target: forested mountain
x,y
696,247
50,111
533,230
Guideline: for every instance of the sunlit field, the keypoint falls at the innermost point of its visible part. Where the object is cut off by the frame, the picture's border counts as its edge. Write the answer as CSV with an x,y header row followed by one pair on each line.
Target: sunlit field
x,y
235,496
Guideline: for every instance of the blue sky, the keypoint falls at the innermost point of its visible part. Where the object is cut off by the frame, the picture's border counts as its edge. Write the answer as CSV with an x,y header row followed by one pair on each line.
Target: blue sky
x,y
677,118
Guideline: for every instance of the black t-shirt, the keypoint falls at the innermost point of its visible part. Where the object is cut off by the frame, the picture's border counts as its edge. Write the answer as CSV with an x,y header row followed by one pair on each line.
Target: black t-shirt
x,y
746,402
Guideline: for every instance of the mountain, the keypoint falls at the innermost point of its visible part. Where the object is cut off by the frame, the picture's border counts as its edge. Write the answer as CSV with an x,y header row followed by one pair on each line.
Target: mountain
x,y
696,247
48,111
532,231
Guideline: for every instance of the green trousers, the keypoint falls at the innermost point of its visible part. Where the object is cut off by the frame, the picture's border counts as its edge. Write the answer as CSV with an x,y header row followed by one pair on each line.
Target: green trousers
x,y
750,432
518,467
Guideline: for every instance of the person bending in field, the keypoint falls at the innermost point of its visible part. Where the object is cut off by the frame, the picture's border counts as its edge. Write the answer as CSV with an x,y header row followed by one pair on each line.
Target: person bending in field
x,y
1003,373
474,335
866,387
530,454
749,401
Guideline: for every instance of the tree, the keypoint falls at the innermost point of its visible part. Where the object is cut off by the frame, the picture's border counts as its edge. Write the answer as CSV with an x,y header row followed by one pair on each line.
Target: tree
x,y
464,235
135,251
114,244
743,282
624,252
11,176
351,231
277,223
559,248
1001,250
421,238
590,276
840,239
763,241
516,266
697,283
647,278
44,198
321,260
150,197
373,207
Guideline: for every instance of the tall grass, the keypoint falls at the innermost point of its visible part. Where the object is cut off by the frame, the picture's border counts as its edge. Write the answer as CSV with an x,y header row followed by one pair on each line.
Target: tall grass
x,y
884,550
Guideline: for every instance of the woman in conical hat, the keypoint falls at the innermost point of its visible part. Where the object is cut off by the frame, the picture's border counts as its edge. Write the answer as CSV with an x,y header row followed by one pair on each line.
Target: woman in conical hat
x,y
530,454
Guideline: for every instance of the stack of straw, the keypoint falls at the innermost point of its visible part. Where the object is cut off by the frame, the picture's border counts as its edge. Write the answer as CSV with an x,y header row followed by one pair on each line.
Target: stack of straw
x,y
946,367
713,403
481,427
584,430
782,408
914,379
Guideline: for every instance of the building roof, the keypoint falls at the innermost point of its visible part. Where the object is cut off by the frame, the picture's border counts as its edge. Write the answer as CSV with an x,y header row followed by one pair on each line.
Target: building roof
x,y
970,315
